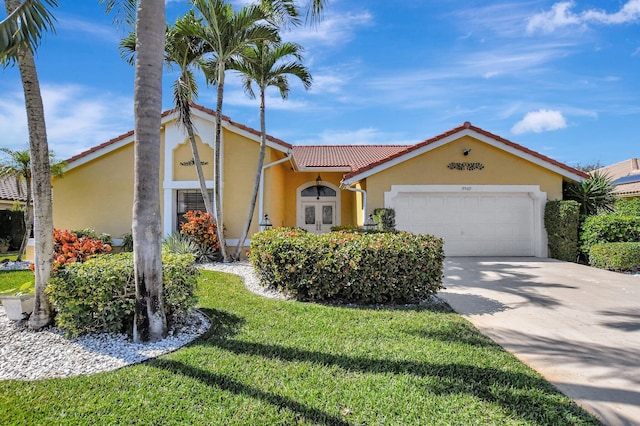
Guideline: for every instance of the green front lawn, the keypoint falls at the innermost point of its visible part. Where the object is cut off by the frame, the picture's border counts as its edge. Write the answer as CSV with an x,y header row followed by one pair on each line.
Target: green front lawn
x,y
10,281
268,362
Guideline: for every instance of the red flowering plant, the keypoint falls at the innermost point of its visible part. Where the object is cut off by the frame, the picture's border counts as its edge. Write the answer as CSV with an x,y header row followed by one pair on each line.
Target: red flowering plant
x,y
203,230
68,248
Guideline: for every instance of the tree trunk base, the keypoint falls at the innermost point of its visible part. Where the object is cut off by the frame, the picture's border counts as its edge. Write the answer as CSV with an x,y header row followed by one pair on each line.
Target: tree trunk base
x,y
39,320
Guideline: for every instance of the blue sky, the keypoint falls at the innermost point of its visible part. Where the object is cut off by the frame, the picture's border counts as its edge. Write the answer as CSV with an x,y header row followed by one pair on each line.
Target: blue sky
x,y
561,78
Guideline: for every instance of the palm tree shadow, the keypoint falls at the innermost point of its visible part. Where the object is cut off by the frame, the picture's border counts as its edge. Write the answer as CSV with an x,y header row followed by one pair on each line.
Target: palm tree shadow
x,y
509,389
231,385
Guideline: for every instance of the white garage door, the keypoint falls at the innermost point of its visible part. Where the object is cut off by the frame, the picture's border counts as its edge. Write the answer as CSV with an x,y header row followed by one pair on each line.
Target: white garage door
x,y
472,224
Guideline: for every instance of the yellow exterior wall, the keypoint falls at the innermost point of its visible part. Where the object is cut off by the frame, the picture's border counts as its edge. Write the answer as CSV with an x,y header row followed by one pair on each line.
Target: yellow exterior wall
x,y
97,195
183,154
500,168
274,188
293,180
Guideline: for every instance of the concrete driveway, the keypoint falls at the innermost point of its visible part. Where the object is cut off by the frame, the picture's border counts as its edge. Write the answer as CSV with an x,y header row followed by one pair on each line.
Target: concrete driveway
x,y
577,326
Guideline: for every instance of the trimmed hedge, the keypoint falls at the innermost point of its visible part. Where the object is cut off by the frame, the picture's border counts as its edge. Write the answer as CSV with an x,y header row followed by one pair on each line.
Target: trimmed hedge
x,y
627,207
609,228
615,256
99,294
348,267
12,226
562,221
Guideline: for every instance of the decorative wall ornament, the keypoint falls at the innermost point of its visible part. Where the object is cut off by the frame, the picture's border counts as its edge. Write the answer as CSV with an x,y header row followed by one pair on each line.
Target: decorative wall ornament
x,y
465,166
192,162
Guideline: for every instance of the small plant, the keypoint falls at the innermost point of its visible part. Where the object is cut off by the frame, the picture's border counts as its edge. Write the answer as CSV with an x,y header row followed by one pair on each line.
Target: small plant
x,y
89,232
385,219
594,194
26,288
127,242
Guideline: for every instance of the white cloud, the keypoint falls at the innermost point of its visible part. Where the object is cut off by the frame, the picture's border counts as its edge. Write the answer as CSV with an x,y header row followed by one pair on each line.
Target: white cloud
x,y
334,28
540,121
561,15
76,118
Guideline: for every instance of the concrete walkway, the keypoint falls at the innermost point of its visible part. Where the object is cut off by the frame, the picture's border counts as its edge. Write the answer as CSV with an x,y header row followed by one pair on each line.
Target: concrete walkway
x,y
577,326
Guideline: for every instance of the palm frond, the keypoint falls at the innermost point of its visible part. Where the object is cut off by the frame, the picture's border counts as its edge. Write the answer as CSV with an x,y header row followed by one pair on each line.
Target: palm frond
x,y
24,27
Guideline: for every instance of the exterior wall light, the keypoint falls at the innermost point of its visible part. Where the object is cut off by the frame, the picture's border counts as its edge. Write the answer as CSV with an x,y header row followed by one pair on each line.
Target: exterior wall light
x,y
266,223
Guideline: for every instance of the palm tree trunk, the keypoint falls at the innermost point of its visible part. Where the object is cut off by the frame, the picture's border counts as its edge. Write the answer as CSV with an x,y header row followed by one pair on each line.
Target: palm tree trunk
x,y
150,321
217,187
28,221
256,181
41,181
198,164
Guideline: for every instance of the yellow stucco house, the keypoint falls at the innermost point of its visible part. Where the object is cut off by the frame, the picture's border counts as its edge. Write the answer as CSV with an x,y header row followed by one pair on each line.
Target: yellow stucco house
x,y
484,194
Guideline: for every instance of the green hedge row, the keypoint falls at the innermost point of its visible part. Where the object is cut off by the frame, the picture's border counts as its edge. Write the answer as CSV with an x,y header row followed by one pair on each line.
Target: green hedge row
x,y
99,294
347,267
609,228
562,221
12,227
615,256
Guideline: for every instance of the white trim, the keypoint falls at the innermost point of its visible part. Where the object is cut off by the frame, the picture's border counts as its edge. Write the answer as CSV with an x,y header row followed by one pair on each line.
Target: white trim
x,y
539,201
261,184
336,199
455,136
364,201
185,184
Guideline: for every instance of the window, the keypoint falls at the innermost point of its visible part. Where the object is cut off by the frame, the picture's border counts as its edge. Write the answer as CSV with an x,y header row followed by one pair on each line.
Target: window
x,y
318,191
188,200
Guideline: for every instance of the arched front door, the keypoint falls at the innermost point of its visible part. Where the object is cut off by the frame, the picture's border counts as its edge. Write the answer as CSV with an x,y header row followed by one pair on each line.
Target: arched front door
x,y
318,207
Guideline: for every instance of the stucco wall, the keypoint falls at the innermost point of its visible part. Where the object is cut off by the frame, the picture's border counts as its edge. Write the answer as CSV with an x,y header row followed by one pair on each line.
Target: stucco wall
x,y
97,195
500,168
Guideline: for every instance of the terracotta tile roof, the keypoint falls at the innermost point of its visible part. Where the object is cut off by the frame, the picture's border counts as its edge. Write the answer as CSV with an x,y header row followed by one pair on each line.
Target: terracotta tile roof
x,y
467,125
9,189
167,113
351,156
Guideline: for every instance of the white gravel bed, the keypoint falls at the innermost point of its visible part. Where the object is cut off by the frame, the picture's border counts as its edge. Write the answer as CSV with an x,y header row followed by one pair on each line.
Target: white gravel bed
x,y
246,271
31,355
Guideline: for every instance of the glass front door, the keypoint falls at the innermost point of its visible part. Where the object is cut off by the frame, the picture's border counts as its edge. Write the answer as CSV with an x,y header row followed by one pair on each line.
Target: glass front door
x,y
317,216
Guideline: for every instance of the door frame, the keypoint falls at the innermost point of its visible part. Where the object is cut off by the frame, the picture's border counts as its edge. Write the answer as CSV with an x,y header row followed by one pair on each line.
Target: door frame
x,y
300,199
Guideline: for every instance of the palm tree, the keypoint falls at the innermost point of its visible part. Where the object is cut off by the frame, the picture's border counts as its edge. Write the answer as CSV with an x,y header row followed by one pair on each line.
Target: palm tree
x,y
150,321
20,33
225,34
265,64
18,167
184,52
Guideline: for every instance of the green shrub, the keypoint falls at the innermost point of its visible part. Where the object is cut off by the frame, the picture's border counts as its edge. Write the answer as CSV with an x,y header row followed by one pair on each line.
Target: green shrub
x,y
615,256
91,233
609,228
627,207
385,219
349,267
99,294
183,244
562,221
127,242
202,228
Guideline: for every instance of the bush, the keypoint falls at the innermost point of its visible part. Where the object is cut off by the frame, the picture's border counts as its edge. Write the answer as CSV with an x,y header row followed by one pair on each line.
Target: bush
x,y
127,242
627,207
562,221
88,232
349,267
202,228
99,295
69,248
385,219
184,244
615,256
609,228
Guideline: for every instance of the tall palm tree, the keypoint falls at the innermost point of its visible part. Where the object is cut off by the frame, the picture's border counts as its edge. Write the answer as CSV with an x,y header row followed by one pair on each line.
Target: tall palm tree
x,y
18,167
267,65
150,322
20,33
226,34
185,52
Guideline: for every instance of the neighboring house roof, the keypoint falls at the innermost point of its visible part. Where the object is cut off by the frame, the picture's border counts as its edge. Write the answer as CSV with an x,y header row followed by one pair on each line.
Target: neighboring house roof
x,y
9,189
625,175
465,129
347,157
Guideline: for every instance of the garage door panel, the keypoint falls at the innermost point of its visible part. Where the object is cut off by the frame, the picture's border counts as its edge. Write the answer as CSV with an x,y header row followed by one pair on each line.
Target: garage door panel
x,y
471,224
